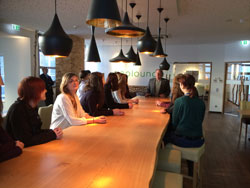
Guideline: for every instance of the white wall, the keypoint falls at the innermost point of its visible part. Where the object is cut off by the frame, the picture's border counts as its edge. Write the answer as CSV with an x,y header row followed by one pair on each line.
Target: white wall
x,y
17,64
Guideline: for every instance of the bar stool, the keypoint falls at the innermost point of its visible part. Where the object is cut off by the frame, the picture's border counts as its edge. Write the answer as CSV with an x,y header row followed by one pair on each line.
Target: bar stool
x,y
167,180
192,154
169,160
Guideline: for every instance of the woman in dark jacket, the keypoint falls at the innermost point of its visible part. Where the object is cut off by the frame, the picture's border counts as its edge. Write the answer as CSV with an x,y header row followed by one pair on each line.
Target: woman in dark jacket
x,y
8,147
22,121
93,98
112,85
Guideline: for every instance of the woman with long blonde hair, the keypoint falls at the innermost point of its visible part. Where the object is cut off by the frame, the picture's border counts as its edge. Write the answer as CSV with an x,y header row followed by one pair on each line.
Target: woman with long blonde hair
x,y
67,110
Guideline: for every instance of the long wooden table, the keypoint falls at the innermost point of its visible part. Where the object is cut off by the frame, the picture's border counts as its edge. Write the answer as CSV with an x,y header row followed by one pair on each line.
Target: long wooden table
x,y
121,153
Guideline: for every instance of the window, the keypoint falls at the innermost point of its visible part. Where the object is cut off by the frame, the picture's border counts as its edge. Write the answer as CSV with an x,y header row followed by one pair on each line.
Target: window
x,y
2,74
50,63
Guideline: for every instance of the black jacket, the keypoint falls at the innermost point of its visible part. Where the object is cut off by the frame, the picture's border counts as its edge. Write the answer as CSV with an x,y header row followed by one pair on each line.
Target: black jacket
x,y
23,123
164,89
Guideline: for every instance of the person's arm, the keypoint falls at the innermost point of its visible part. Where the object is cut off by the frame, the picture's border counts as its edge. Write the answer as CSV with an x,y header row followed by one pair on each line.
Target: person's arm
x,y
176,113
166,87
23,130
118,97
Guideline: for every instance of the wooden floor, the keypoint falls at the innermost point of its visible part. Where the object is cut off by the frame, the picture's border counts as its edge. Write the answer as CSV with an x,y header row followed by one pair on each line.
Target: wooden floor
x,y
226,162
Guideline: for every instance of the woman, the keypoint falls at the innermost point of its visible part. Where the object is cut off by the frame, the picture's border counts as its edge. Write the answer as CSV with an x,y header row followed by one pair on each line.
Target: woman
x,y
110,86
8,147
22,121
67,110
93,97
188,115
84,74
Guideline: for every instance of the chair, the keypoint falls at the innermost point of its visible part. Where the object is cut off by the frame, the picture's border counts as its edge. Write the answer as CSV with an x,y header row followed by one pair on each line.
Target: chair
x,y
167,180
201,90
192,154
244,118
45,113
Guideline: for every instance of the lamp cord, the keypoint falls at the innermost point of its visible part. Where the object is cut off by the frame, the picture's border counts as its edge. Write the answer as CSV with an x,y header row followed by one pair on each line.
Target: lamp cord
x,y
132,23
148,13
55,6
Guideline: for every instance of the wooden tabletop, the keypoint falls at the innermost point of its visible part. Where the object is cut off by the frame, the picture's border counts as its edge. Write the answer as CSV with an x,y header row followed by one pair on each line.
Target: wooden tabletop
x,y
121,153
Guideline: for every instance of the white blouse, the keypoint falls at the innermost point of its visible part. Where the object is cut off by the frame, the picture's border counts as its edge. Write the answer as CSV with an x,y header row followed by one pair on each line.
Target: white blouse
x,y
117,96
64,114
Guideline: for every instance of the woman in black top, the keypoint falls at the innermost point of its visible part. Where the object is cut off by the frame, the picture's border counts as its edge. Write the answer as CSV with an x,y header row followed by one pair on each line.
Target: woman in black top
x,y
22,121
8,147
112,85
93,98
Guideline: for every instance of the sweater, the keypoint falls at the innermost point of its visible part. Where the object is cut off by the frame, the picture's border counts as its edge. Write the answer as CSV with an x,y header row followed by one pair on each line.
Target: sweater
x,y
23,123
89,102
8,148
188,115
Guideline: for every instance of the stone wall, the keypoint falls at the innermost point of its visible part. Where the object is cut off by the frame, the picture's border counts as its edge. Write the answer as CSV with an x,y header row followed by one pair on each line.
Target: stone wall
x,y
73,63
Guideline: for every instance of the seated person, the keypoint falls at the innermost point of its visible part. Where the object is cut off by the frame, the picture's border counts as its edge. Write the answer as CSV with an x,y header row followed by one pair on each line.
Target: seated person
x,y
67,110
83,75
111,86
22,121
8,147
93,97
158,86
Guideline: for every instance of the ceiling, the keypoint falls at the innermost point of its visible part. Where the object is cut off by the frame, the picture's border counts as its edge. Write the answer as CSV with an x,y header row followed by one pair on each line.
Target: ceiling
x,y
191,21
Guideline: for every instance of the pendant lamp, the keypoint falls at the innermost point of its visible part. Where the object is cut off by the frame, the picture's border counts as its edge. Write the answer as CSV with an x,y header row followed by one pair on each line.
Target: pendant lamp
x,y
146,44
131,53
103,13
138,60
120,58
164,65
126,30
93,54
55,42
159,51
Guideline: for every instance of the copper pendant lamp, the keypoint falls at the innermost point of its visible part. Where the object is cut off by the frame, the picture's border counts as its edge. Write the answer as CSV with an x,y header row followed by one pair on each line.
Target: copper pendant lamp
x,y
147,44
126,29
103,13
55,42
93,54
164,65
120,58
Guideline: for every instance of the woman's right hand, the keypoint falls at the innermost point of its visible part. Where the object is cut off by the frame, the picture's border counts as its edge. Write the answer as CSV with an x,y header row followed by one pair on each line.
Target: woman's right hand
x,y
59,133
118,112
100,119
158,103
130,105
163,111
19,144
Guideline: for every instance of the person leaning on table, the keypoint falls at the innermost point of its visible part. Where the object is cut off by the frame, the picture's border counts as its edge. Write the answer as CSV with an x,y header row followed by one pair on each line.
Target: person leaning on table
x,y
22,121
67,110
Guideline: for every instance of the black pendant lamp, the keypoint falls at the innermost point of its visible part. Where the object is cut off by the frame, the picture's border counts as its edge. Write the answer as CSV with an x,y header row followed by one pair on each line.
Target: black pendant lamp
x,y
164,65
55,42
126,30
147,44
93,54
159,50
103,13
138,60
120,58
131,53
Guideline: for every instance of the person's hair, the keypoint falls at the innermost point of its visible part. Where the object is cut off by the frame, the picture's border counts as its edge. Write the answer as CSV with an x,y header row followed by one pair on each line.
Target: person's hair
x,y
95,83
113,81
176,90
30,88
122,84
64,87
83,74
188,81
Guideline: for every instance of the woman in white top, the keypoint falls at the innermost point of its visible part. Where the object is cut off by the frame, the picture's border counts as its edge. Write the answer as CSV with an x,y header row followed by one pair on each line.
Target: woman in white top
x,y
67,110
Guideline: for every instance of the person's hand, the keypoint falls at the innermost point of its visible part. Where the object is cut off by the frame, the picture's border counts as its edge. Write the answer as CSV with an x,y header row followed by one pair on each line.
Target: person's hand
x,y
162,95
158,103
100,119
130,105
59,133
147,95
19,144
136,101
118,112
163,111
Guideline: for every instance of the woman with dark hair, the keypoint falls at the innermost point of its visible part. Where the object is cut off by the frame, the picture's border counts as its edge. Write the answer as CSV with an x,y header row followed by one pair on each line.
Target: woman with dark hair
x,y
93,97
67,110
83,75
8,147
112,85
22,121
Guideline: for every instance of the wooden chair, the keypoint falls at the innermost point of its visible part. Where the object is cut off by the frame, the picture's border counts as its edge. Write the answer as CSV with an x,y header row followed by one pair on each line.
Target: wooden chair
x,y
45,113
244,118
167,180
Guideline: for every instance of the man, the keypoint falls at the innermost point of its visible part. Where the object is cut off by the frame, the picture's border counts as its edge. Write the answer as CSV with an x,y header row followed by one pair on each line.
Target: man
x,y
158,86
49,83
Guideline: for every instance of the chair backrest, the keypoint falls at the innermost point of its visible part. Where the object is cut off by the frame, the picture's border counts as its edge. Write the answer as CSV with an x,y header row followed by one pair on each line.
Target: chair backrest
x,y
244,105
45,113
201,90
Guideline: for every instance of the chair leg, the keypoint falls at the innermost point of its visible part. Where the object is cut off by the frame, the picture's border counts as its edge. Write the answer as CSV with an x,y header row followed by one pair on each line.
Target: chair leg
x,y
246,131
240,128
195,175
